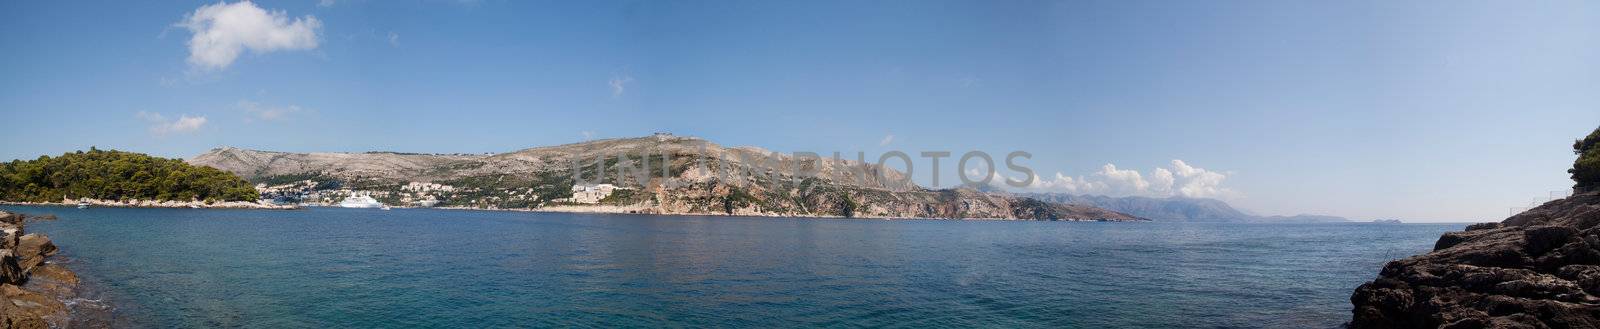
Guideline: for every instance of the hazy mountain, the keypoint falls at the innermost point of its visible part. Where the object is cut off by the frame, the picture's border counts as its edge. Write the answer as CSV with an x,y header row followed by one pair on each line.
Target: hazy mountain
x,y
1175,208
686,176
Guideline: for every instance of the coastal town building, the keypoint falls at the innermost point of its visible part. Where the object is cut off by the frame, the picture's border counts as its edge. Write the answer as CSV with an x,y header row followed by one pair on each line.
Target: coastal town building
x,y
591,193
427,187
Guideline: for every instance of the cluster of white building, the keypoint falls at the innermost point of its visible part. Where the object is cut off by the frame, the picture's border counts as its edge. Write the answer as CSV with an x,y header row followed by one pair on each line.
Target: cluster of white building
x,y
425,194
427,187
591,193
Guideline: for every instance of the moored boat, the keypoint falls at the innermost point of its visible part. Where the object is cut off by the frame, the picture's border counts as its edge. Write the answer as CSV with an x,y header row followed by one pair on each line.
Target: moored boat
x,y
361,201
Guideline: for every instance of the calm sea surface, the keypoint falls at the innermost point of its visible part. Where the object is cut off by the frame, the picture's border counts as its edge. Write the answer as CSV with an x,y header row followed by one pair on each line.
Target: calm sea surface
x,y
339,268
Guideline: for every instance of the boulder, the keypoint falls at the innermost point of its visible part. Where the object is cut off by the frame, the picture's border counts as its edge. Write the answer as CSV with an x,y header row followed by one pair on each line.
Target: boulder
x,y
54,272
31,306
52,280
11,271
12,316
32,250
9,235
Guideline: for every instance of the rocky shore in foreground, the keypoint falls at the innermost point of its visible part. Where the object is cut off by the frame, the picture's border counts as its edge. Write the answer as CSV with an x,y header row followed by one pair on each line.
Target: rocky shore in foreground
x,y
1537,269
36,290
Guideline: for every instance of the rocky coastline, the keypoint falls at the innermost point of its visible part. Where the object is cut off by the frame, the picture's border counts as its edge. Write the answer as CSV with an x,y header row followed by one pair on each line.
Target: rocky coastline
x,y
36,289
1537,269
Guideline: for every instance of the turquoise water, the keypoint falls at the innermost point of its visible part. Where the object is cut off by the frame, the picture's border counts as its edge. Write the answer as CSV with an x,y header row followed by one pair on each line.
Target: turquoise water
x,y
436,268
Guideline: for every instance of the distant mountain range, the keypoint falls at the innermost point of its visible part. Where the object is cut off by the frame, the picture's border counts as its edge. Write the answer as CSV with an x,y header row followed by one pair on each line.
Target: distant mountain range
x,y
1176,208
737,181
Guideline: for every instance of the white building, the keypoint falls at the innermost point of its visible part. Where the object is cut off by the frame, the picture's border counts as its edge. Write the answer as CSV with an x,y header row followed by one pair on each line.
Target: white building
x,y
591,193
426,187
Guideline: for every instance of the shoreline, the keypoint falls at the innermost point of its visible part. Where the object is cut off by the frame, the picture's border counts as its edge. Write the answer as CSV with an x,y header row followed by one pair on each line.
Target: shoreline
x,y
39,289
571,209
612,210
157,204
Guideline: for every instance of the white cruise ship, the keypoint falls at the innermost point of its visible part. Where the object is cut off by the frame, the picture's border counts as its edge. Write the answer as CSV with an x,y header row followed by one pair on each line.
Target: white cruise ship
x,y
360,201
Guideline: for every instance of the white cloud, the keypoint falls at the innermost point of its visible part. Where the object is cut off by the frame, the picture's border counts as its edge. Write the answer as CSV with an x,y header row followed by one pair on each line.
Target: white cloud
x,y
1122,182
588,135
394,39
325,3
159,124
1180,180
263,112
619,84
1199,183
223,31
1161,181
886,140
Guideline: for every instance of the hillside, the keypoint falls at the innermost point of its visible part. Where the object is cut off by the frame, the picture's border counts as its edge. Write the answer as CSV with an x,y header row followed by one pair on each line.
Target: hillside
x,y
686,175
1176,208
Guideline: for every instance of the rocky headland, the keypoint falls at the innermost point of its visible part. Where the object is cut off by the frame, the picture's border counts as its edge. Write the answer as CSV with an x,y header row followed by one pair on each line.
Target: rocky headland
x,y
36,290
1537,269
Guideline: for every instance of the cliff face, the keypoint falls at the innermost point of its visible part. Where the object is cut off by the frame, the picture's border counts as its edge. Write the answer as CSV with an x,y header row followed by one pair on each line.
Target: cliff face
x,y
686,176
1538,269
32,291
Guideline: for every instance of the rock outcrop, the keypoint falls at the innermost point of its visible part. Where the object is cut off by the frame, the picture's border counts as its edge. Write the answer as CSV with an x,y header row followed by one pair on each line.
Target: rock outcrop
x,y
33,291
1537,269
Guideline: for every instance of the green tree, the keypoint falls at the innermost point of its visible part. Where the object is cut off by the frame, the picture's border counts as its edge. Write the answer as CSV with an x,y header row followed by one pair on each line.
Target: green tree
x,y
117,175
1586,170
847,206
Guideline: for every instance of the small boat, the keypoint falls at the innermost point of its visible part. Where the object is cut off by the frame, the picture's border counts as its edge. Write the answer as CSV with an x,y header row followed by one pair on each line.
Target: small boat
x,y
83,205
385,207
360,201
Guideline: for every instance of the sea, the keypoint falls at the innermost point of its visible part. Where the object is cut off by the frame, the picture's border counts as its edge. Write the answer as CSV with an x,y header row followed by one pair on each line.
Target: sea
x,y
371,268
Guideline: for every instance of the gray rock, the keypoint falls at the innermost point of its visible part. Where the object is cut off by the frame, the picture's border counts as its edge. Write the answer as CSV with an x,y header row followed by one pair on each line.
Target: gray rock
x,y
1537,269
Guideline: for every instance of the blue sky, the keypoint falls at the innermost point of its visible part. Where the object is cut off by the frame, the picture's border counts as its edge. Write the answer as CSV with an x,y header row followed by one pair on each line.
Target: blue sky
x,y
1444,111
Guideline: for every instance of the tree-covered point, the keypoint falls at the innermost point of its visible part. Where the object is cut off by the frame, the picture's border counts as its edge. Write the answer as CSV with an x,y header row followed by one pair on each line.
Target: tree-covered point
x,y
117,175
1586,170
